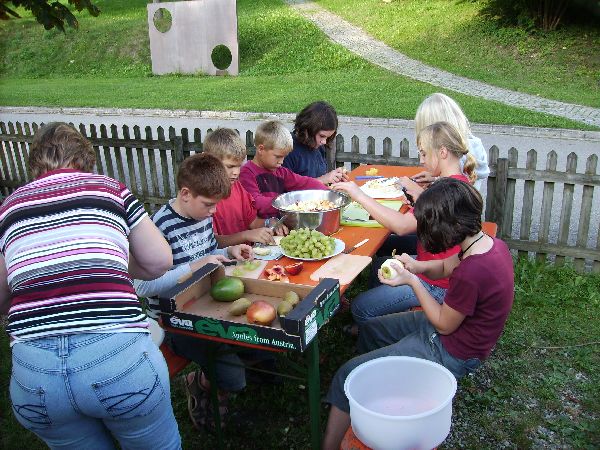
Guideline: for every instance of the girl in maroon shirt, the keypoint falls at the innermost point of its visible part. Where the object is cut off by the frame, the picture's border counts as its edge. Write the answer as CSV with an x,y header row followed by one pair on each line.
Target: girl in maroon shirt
x,y
460,332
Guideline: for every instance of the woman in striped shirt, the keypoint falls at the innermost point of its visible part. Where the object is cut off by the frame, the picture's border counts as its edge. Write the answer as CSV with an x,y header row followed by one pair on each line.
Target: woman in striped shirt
x,y
84,368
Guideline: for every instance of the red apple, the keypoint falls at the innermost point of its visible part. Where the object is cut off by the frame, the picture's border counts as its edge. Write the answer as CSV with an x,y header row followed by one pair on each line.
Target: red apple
x,y
261,313
295,268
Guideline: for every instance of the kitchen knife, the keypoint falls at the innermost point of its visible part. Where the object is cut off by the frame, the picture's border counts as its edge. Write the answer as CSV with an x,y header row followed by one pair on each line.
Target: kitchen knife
x,y
354,247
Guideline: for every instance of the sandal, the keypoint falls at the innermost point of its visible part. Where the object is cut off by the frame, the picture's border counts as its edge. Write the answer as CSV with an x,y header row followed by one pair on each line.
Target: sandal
x,y
344,304
199,404
350,330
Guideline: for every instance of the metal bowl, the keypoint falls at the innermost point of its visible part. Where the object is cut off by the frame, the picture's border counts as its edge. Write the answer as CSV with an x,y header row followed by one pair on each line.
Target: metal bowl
x,y
327,222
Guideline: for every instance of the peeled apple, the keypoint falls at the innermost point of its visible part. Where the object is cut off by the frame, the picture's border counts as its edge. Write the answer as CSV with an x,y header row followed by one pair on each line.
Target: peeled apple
x,y
387,270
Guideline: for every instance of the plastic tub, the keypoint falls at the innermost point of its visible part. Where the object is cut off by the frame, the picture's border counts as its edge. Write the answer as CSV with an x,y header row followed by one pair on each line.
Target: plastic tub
x,y
156,332
400,402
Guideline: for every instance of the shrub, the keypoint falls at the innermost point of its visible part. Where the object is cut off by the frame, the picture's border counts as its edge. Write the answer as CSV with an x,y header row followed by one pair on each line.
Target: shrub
x,y
544,14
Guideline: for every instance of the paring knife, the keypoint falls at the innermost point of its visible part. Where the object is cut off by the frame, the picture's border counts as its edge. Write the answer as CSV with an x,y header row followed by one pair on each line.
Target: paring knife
x,y
272,227
354,247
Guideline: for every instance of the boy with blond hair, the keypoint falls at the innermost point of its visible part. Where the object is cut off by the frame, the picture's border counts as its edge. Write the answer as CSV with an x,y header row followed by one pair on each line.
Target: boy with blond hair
x,y
186,223
235,221
264,177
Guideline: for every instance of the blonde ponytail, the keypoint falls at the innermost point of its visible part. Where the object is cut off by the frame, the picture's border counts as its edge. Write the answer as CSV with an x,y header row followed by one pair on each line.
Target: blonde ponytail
x,y
469,168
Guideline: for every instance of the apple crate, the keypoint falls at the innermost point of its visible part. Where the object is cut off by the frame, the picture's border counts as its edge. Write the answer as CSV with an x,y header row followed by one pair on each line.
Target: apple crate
x,y
189,307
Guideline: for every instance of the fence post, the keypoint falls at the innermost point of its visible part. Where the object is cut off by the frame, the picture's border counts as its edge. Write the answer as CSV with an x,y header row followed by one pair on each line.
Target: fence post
x,y
339,148
499,196
178,156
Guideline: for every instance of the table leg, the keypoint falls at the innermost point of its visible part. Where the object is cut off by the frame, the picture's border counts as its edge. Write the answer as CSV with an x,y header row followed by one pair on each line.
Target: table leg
x,y
314,393
214,393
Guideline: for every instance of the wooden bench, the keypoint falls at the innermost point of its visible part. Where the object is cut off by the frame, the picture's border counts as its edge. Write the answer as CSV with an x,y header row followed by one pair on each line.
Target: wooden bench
x,y
175,363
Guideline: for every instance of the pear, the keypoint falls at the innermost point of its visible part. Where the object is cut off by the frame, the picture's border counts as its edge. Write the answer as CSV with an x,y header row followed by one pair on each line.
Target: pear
x,y
240,306
387,270
292,298
284,308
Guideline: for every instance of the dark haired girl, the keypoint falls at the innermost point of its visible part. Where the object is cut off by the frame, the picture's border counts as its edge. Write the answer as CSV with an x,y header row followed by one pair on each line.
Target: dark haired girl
x,y
459,333
315,128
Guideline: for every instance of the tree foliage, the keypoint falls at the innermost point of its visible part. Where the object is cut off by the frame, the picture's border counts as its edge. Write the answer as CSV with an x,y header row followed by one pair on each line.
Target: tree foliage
x,y
544,14
50,14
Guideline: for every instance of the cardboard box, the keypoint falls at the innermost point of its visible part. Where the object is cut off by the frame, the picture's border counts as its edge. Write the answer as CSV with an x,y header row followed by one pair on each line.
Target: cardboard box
x,y
189,306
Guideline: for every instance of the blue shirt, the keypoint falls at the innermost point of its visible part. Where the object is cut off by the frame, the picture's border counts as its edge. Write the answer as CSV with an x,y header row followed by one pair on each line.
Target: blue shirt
x,y
306,161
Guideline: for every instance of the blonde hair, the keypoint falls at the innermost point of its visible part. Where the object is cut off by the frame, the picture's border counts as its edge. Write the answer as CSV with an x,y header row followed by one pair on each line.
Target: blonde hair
x,y
441,108
444,134
225,143
273,135
58,145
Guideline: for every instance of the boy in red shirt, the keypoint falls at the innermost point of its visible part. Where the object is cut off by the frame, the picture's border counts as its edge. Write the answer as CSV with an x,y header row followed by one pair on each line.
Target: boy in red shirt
x,y
236,221
264,177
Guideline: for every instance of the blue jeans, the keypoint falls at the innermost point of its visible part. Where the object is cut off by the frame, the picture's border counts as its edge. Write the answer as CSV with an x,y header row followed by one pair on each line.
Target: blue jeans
x,y
403,334
82,390
386,299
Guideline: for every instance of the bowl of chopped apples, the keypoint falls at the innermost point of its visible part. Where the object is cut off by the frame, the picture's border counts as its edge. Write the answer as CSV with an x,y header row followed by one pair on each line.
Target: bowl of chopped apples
x,y
314,209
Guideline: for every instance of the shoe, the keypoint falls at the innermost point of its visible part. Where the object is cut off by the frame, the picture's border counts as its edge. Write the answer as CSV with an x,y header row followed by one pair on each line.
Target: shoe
x,y
350,330
199,404
344,304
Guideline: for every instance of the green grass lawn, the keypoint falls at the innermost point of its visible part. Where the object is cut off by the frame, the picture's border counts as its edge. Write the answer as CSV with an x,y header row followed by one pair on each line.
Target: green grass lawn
x,y
285,63
453,35
537,390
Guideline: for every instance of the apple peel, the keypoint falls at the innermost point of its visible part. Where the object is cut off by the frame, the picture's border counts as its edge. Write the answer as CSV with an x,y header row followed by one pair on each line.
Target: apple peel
x,y
277,273
295,268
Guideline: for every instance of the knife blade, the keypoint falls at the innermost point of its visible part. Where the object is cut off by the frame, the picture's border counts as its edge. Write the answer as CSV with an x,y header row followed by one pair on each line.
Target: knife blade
x,y
354,247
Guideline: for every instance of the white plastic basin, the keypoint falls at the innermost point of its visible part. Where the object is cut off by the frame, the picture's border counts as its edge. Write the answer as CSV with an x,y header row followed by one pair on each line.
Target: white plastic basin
x,y
400,402
156,332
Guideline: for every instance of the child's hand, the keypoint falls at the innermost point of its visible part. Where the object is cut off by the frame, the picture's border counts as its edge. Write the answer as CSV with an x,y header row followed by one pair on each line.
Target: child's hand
x,y
209,259
402,276
241,252
349,187
412,188
410,264
336,175
424,178
282,230
264,235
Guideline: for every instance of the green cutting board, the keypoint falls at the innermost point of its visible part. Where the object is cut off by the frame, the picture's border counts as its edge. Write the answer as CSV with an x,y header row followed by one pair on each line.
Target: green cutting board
x,y
354,209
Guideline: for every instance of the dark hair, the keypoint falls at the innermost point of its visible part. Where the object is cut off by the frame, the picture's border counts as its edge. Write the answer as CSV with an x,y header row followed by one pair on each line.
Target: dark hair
x,y
204,175
58,145
447,213
313,118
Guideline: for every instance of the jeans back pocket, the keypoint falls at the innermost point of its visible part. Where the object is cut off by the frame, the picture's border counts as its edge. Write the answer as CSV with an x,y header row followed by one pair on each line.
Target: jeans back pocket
x,y
29,405
135,392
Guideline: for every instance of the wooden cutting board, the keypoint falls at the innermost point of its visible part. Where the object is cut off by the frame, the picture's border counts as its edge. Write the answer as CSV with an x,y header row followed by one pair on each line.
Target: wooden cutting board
x,y
342,267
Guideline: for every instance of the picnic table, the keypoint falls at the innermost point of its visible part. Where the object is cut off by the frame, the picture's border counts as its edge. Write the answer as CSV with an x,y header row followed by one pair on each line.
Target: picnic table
x,y
350,235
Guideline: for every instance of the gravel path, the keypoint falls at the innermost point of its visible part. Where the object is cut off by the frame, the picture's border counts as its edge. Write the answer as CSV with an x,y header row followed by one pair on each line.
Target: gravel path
x,y
376,52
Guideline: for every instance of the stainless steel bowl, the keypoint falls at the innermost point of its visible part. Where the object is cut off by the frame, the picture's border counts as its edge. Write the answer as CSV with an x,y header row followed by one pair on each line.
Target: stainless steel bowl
x,y
327,222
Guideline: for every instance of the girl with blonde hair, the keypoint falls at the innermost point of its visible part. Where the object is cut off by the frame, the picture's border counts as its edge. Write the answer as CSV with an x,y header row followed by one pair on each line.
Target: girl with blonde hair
x,y
440,150
441,108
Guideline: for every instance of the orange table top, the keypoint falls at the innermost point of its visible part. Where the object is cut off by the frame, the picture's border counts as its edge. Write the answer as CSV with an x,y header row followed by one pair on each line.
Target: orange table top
x,y
350,235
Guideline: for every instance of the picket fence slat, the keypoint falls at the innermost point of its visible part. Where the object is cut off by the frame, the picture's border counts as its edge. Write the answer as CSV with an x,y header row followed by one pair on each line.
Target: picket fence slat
x,y
509,198
567,207
587,196
528,192
546,211
134,159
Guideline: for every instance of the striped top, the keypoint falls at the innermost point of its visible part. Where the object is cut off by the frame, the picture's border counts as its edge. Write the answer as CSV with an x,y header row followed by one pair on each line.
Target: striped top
x,y
190,240
64,240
